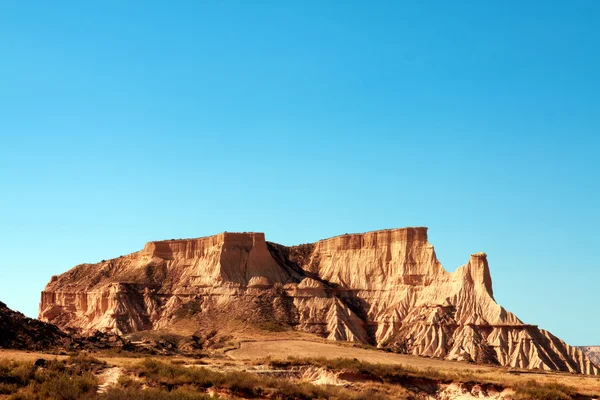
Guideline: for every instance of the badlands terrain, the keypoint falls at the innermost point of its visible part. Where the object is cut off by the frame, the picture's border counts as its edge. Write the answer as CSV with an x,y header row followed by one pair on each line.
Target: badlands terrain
x,y
593,352
270,367
358,316
385,289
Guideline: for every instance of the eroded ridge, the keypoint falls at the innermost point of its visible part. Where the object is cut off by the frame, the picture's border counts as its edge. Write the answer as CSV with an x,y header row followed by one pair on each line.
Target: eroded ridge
x,y
385,288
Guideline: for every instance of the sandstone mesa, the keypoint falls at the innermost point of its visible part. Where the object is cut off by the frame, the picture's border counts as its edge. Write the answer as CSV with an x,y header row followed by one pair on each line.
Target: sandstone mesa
x,y
385,288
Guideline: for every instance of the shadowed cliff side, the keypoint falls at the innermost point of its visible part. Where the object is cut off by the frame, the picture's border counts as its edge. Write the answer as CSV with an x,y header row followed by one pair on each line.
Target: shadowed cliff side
x,y
19,332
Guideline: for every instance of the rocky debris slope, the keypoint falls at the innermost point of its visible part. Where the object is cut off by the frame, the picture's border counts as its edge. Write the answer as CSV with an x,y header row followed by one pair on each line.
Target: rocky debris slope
x,y
385,288
20,332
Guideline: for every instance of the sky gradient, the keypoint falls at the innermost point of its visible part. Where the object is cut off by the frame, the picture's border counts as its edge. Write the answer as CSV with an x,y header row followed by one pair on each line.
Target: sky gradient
x,y
125,122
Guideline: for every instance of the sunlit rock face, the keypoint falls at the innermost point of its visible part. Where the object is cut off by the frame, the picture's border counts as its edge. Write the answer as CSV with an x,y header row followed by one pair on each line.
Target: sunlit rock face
x,y
385,288
593,352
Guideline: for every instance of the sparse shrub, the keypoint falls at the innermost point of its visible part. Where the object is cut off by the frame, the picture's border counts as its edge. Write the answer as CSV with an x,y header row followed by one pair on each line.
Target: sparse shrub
x,y
8,388
71,379
243,384
272,326
393,374
24,373
74,378
26,394
155,394
84,362
150,271
532,390
126,382
189,309
12,372
64,387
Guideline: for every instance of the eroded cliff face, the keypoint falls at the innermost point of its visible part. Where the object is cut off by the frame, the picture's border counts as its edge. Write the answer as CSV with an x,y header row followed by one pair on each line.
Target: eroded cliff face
x,y
385,288
593,352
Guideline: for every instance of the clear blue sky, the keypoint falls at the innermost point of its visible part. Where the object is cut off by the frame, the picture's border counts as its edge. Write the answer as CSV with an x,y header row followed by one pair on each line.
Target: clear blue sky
x,y
124,122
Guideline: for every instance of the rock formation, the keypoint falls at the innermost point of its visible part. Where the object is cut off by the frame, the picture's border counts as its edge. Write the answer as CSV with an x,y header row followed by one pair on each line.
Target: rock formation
x,y
592,352
385,288
19,332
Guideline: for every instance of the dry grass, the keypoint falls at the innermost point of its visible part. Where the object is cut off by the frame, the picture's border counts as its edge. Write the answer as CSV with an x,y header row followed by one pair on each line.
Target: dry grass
x,y
159,375
532,390
551,386
258,350
75,378
27,356
165,375
155,394
69,379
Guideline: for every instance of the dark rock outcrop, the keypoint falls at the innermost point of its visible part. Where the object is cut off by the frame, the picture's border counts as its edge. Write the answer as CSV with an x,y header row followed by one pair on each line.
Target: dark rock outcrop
x,y
20,332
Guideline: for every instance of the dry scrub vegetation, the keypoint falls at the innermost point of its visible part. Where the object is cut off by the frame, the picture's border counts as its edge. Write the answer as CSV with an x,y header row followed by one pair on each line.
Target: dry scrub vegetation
x,y
414,377
76,378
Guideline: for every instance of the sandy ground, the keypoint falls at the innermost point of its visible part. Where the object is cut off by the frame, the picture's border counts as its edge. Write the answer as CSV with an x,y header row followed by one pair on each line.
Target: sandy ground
x,y
298,348
28,356
281,349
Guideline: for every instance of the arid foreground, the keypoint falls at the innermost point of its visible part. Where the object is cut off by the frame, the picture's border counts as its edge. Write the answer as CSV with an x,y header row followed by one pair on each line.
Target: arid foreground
x,y
255,370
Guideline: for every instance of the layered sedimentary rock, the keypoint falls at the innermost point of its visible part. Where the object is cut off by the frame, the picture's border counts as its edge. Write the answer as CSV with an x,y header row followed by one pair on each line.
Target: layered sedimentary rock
x,y
593,353
385,288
